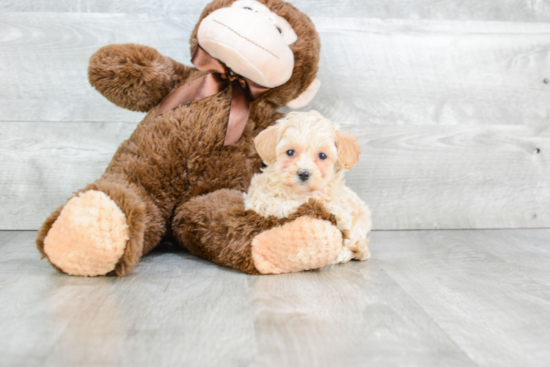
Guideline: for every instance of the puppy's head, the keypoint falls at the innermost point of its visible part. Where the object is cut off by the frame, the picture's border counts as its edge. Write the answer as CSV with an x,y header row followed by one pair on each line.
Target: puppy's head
x,y
306,150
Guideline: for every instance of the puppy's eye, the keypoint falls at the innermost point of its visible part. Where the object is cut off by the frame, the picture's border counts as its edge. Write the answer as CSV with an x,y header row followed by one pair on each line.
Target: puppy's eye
x,y
279,29
322,156
290,152
247,8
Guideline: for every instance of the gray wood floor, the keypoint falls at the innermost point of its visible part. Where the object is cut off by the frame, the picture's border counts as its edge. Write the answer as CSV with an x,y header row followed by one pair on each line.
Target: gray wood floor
x,y
426,298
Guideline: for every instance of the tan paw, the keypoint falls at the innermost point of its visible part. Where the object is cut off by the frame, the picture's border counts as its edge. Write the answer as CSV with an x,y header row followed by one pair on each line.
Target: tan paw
x,y
302,244
89,236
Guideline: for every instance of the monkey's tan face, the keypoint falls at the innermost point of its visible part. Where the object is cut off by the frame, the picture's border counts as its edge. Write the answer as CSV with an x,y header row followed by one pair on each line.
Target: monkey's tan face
x,y
251,40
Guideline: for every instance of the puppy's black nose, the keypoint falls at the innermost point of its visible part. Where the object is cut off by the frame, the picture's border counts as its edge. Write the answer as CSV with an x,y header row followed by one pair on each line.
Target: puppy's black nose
x,y
303,174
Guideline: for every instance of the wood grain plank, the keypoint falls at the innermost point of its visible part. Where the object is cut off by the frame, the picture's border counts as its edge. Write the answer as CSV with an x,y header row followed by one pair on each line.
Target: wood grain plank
x,y
503,10
487,306
390,72
435,177
528,250
45,61
7,236
175,309
353,315
412,177
396,72
425,298
43,163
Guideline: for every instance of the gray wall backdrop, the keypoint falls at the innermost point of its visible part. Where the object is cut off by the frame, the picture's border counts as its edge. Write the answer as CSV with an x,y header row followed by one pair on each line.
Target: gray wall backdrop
x,y
448,96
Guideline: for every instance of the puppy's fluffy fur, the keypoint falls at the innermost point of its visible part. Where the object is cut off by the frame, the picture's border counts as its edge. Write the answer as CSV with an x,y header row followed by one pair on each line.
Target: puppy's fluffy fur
x,y
306,156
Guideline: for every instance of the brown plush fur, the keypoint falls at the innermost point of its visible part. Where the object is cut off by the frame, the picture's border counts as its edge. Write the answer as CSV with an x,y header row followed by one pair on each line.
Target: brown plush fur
x,y
207,221
128,199
43,232
180,155
133,76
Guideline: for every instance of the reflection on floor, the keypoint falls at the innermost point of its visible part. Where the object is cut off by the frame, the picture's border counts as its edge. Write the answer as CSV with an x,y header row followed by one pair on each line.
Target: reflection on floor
x,y
426,298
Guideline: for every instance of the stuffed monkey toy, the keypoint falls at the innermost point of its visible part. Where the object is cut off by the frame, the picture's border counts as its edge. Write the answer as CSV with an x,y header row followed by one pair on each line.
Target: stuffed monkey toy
x,y
181,174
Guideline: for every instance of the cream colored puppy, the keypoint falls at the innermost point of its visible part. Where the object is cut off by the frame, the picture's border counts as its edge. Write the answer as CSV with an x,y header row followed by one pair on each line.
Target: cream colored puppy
x,y
306,157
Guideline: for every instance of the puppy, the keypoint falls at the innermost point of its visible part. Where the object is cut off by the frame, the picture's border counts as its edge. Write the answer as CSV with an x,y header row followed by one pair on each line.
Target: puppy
x,y
306,156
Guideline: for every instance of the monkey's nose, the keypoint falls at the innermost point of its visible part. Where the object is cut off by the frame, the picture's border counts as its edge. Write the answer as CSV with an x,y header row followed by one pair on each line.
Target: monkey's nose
x,y
303,174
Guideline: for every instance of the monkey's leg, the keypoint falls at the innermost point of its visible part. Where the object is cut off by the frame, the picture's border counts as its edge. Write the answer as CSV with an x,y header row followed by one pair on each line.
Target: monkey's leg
x,y
103,230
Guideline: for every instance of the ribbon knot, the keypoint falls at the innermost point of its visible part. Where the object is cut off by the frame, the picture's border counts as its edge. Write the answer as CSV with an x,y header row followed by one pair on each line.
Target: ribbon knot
x,y
218,79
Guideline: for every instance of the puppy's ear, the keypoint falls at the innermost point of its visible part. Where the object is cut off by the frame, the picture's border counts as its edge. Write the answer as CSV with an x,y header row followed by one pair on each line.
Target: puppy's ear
x,y
348,149
266,144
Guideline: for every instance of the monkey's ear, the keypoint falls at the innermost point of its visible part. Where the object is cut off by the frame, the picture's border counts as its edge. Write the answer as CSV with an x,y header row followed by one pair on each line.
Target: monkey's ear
x,y
266,144
303,99
348,149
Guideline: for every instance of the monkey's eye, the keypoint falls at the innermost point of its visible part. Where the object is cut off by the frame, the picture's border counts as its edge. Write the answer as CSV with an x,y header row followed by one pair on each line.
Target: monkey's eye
x,y
322,156
290,152
279,29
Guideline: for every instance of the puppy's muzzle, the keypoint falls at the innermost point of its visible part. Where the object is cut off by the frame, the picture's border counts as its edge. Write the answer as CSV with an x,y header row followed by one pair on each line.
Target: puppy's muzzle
x,y
303,174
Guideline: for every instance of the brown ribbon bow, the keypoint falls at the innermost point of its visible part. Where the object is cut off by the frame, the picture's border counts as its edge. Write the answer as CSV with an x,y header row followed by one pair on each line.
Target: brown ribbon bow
x,y
219,77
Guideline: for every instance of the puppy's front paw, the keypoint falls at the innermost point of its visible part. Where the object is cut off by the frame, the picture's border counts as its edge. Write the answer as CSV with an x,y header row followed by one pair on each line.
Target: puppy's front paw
x,y
289,207
343,221
360,249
